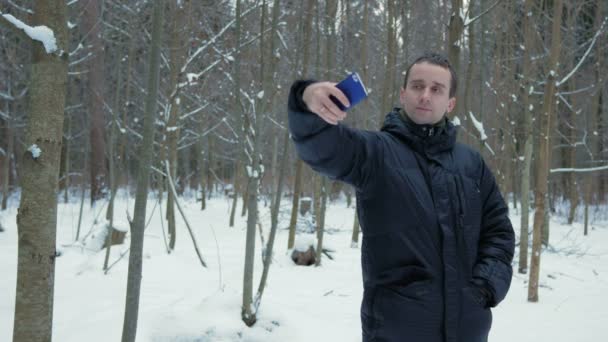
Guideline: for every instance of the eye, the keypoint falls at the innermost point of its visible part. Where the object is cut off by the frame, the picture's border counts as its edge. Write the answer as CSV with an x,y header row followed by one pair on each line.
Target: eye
x,y
435,90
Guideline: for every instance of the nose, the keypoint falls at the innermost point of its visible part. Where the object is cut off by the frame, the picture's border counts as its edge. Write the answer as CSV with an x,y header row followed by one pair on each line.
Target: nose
x,y
426,95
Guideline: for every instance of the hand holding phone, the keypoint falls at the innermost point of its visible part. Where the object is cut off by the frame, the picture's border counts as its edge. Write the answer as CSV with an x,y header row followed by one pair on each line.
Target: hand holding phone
x,y
353,88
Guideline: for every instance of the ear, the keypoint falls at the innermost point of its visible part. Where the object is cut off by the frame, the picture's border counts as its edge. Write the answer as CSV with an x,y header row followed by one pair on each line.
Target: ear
x,y
402,95
451,104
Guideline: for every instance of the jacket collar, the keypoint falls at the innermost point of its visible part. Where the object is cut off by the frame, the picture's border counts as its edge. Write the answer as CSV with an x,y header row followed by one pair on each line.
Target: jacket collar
x,y
431,139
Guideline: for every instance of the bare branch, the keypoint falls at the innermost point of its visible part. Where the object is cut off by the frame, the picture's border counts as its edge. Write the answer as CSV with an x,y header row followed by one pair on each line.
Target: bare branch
x,y
580,62
470,21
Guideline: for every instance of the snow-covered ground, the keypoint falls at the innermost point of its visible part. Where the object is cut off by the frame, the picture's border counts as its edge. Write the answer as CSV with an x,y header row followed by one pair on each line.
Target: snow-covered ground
x,y
181,301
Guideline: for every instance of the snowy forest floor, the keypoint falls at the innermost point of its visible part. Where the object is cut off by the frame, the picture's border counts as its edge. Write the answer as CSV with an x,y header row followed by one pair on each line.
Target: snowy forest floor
x,y
182,301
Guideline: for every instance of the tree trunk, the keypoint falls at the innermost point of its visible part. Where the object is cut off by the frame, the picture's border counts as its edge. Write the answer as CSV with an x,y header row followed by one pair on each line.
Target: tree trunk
x,y
274,221
202,165
471,62
455,30
7,158
389,66
297,189
139,214
248,313
321,222
37,214
566,126
172,128
126,109
544,156
527,136
365,107
93,17
112,171
66,160
209,165
83,188
238,111
355,238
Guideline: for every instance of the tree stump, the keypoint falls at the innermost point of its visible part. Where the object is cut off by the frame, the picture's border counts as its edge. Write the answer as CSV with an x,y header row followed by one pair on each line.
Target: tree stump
x,y
118,237
306,258
305,204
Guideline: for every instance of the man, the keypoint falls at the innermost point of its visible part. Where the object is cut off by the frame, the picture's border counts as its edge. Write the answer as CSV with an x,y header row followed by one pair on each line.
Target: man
x,y
437,241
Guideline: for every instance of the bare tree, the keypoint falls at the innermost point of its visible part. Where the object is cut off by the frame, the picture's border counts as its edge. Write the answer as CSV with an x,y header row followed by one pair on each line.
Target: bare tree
x,y
527,136
93,18
546,118
306,22
139,214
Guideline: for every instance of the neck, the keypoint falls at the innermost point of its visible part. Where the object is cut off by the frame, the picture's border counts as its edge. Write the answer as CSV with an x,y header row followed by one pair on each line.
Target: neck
x,y
407,119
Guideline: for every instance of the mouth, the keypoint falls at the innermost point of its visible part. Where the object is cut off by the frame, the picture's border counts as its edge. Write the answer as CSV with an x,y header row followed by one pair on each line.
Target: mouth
x,y
423,109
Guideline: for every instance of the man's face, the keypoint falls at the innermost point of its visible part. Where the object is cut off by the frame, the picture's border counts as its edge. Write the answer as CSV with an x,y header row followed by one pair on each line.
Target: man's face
x,y
426,97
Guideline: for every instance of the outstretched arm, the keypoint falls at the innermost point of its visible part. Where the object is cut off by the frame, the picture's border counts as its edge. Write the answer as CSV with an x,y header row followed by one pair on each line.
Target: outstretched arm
x,y
325,144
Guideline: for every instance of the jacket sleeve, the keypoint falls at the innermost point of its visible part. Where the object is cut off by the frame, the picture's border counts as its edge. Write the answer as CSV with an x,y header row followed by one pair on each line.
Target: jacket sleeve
x,y
337,151
493,270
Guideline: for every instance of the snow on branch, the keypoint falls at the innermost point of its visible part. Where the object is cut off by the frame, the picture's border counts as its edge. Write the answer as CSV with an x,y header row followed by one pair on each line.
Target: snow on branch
x,y
6,96
571,169
41,33
585,55
23,9
479,126
213,40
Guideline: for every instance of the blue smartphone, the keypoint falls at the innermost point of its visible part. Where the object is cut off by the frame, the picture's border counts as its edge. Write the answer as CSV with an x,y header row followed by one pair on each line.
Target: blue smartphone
x,y
353,88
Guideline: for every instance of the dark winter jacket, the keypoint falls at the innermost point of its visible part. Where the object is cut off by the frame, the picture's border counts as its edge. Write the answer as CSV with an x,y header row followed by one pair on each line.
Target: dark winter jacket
x,y
437,242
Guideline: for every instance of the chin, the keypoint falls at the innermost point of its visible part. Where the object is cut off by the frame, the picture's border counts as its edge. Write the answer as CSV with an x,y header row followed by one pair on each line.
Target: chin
x,y
422,119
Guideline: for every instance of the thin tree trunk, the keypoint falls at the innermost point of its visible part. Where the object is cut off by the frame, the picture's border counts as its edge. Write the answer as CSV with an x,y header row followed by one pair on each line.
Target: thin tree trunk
x,y
126,109
139,215
297,189
7,158
238,111
111,161
295,205
587,197
209,166
544,156
364,64
355,238
83,187
455,30
172,128
66,183
525,178
274,216
273,163
471,63
93,19
389,67
321,223
37,214
263,103
202,165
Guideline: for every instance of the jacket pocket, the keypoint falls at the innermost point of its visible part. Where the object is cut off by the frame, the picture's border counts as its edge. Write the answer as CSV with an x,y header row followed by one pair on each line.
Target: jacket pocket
x,y
474,297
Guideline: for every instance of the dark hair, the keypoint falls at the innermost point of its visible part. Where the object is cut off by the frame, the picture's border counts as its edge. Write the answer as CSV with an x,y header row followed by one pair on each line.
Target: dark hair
x,y
435,59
